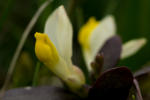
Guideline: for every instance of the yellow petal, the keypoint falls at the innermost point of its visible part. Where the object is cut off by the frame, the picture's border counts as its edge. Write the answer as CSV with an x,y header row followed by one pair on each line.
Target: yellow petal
x,y
47,53
86,31
45,50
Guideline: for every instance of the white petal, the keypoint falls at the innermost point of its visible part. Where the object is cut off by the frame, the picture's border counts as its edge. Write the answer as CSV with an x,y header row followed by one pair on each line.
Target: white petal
x,y
132,46
88,59
103,31
59,30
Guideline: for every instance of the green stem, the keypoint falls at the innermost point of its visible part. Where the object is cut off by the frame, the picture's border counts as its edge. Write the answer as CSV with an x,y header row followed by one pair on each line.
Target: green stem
x,y
35,77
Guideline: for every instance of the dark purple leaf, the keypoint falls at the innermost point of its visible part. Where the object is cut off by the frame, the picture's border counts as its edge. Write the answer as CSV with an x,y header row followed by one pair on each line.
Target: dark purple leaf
x,y
39,93
111,51
113,84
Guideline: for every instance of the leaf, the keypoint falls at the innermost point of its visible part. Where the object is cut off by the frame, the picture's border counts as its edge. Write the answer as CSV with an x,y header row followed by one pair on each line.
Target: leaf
x,y
113,84
59,30
111,51
39,93
132,46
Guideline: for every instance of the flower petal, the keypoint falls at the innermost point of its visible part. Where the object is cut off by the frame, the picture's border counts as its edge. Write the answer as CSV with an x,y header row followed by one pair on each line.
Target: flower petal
x,y
132,46
59,30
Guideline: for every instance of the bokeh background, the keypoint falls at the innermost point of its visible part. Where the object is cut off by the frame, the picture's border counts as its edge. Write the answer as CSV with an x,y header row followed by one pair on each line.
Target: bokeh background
x,y
132,19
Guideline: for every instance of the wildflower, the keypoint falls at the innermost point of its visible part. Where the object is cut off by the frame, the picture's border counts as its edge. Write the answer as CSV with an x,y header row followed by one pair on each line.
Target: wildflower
x,y
54,49
94,34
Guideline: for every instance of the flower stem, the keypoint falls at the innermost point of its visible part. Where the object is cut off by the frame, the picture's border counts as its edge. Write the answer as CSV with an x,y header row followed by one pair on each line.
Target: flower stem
x,y
137,89
35,77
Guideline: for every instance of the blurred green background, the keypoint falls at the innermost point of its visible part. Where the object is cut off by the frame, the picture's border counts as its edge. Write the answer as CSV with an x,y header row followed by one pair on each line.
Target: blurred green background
x,y
132,19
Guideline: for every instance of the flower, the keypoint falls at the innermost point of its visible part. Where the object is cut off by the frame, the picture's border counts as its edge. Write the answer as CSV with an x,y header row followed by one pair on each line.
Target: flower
x,y
94,34
98,35
54,49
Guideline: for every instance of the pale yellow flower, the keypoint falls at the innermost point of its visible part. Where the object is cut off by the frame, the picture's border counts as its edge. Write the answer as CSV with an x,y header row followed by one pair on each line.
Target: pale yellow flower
x,y
94,34
54,49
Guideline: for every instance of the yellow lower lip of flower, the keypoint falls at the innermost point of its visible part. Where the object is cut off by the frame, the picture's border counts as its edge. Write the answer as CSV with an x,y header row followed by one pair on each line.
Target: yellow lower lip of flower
x,y
45,49
47,53
86,31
